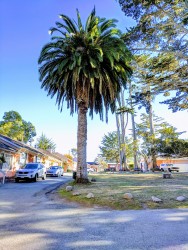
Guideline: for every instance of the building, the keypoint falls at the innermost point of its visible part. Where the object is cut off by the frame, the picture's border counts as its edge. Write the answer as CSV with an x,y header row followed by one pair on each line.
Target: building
x,y
17,154
93,165
181,163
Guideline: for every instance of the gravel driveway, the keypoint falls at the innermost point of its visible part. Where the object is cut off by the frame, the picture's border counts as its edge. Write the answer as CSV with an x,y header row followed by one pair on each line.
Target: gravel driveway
x,y
32,217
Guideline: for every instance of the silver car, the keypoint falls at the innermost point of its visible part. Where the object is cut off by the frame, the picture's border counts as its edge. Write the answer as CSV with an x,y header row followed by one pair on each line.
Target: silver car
x,y
55,171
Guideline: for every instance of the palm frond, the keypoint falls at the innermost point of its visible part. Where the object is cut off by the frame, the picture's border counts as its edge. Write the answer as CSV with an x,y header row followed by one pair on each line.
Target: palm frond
x,y
90,65
70,25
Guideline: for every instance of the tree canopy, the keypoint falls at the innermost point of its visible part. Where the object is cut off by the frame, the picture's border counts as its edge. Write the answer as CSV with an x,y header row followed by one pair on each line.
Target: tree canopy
x,y
110,147
161,32
87,63
161,26
163,140
16,128
45,143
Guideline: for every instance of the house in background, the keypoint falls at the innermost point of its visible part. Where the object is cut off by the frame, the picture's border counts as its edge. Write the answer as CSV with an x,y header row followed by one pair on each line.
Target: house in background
x,y
93,165
49,158
181,163
16,154
112,167
68,164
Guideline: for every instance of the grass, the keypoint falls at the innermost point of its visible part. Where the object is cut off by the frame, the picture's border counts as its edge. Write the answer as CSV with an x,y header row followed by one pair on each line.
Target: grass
x,y
109,189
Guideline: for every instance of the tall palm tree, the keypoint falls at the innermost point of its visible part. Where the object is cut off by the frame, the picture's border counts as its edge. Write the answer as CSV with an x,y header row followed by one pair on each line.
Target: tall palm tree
x,y
86,66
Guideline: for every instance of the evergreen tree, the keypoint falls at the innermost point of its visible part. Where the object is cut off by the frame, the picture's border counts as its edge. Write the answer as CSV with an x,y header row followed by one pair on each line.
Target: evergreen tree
x,y
110,147
45,143
161,32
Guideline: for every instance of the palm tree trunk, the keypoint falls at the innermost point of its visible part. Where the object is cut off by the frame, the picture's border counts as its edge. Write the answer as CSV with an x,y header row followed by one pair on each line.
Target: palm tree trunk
x,y
81,144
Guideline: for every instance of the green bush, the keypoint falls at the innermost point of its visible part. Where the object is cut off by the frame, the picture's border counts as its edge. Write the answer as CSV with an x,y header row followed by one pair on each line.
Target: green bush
x,y
131,166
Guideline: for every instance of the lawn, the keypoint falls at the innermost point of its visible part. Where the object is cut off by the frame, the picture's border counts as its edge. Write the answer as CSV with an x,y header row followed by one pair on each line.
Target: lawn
x,y
110,188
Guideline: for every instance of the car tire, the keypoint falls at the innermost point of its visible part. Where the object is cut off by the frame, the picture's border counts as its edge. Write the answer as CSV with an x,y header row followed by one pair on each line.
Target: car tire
x,y
44,177
16,180
35,178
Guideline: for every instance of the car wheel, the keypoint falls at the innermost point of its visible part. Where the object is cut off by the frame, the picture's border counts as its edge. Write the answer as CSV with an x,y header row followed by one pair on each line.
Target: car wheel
x,y
44,177
16,180
35,178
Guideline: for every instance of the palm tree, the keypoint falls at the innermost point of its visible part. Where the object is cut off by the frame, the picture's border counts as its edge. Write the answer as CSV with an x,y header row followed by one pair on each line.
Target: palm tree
x,y
45,143
86,66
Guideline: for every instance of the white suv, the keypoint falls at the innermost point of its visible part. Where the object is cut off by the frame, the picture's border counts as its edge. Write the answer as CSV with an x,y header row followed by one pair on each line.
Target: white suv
x,y
90,170
168,167
31,171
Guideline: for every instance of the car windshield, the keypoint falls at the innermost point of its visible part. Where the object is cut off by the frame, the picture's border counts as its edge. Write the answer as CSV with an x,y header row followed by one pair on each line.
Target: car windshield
x,y
31,166
53,167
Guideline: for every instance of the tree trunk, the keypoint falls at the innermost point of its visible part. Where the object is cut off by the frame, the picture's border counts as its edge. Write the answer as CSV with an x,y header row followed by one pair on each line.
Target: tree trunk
x,y
121,133
152,132
81,145
134,141
133,129
123,151
145,164
119,141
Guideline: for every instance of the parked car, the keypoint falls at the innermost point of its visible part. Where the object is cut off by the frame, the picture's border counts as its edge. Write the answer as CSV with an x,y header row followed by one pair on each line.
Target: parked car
x,y
137,169
55,171
110,169
31,171
168,167
90,170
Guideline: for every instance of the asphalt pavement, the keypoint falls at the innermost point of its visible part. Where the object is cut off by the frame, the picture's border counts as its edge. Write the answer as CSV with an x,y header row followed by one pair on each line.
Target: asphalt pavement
x,y
32,217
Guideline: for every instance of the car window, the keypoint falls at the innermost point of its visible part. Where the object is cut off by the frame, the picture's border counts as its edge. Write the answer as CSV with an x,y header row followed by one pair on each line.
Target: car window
x,y
53,167
31,166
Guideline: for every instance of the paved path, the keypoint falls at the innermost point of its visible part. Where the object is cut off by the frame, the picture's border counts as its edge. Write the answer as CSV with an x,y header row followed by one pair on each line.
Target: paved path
x,y
31,217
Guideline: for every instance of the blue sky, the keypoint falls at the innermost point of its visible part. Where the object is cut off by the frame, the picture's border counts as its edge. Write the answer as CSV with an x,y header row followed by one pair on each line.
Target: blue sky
x,y
24,29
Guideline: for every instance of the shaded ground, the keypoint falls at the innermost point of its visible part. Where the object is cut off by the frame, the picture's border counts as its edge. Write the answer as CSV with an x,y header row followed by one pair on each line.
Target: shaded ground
x,y
33,217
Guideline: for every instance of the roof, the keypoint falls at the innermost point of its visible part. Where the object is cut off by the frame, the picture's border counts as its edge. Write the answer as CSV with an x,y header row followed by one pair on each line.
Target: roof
x,y
6,148
10,145
49,154
62,157
92,163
